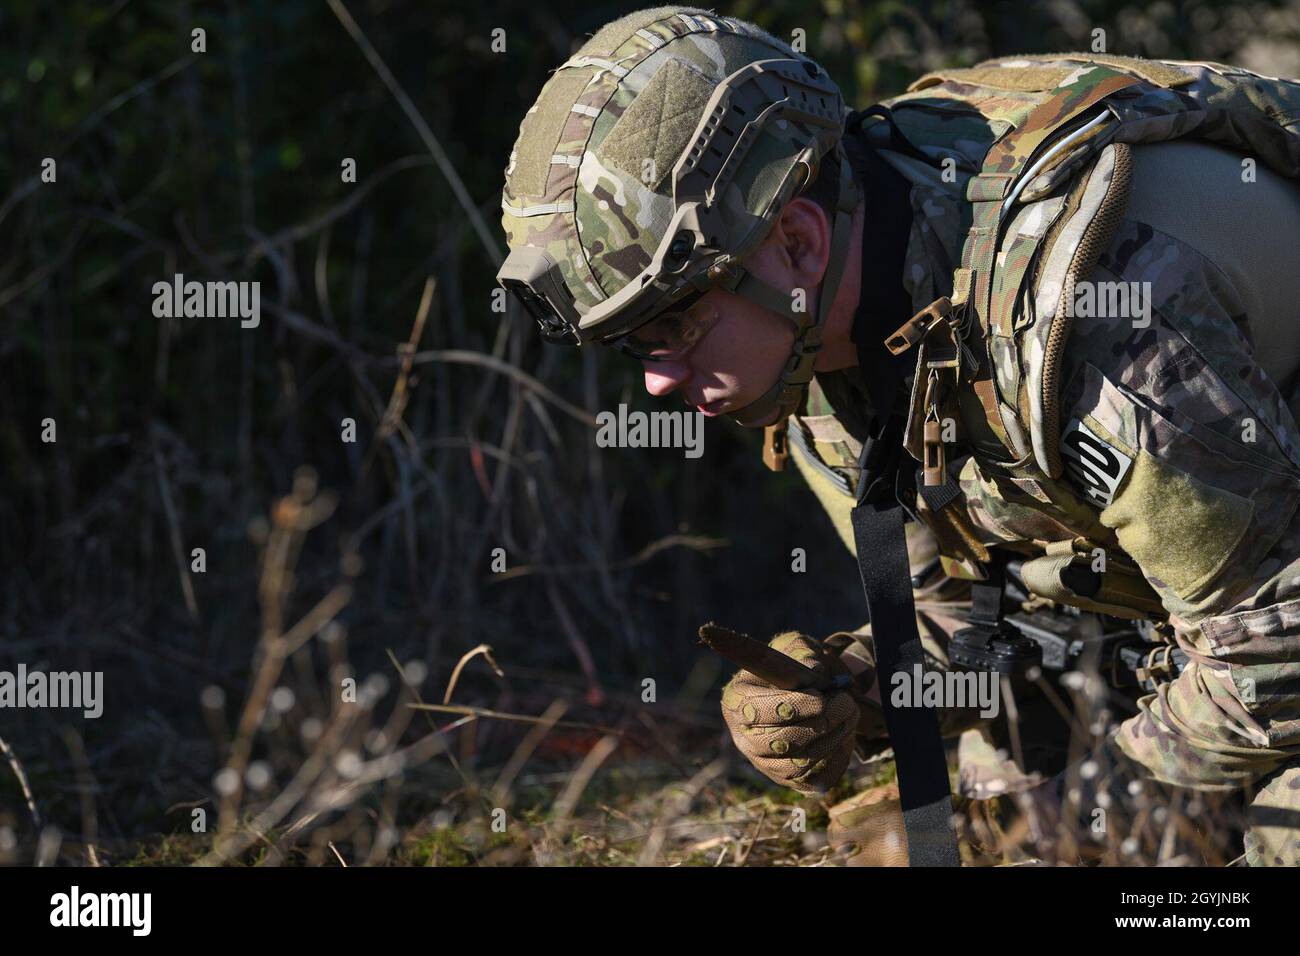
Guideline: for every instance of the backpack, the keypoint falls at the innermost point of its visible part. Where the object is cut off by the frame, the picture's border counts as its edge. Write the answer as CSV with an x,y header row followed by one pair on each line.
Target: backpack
x,y
1062,163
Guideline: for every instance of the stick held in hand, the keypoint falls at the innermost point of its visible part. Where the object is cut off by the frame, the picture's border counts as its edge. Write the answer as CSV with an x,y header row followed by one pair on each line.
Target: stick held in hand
x,y
764,662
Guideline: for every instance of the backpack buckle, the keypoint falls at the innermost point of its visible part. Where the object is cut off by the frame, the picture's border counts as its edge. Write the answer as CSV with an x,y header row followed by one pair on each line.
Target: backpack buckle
x,y
918,326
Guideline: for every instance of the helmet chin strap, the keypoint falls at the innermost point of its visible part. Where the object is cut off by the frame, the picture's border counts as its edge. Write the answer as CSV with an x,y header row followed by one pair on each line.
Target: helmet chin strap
x,y
787,392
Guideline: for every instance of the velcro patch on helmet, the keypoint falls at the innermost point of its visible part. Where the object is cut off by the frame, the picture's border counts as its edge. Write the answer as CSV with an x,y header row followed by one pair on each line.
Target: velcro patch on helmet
x,y
541,130
652,133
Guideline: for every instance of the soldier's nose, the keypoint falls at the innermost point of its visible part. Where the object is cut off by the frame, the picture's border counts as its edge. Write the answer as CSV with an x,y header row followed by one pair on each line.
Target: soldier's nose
x,y
662,377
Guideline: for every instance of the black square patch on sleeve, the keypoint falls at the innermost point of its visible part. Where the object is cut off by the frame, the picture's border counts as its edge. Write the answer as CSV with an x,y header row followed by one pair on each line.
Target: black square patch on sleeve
x,y
1093,465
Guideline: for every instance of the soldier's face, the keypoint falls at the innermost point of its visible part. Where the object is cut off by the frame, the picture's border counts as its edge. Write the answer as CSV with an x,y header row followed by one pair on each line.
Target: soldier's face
x,y
741,357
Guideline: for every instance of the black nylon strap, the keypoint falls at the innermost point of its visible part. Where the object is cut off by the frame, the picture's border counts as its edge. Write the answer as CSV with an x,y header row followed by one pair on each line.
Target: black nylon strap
x,y
878,518
897,141
913,731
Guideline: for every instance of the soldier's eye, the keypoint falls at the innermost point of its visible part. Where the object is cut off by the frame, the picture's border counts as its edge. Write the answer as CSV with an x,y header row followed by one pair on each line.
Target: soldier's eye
x,y
670,334
666,331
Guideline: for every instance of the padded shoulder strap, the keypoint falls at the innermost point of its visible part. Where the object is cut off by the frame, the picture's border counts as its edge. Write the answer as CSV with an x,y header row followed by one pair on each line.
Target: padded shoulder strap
x,y
1009,162
1005,162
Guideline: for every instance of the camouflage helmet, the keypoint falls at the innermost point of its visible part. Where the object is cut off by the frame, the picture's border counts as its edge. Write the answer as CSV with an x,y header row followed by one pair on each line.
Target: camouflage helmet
x,y
653,162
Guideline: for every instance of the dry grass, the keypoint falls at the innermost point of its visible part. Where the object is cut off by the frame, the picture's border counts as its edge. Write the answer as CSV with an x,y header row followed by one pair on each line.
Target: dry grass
x,y
368,562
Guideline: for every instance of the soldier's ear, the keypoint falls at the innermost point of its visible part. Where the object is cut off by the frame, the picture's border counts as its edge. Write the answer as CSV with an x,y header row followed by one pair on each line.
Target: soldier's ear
x,y
806,232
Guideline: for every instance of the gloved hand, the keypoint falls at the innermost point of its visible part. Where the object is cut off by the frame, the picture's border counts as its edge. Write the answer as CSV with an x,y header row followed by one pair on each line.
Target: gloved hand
x,y
798,738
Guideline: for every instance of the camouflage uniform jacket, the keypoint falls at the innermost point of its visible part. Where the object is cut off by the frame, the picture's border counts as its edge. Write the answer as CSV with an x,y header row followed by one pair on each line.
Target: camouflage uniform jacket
x,y
1178,434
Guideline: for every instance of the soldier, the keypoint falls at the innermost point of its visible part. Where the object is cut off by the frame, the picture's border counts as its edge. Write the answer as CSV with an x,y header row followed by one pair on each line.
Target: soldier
x,y
1099,377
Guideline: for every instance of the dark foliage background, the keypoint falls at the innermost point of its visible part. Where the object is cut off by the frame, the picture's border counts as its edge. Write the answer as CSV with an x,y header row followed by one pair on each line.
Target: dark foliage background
x,y
178,434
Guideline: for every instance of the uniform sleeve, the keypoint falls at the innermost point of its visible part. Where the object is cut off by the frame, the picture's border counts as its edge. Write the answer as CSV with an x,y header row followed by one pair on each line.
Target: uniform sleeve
x,y
1191,454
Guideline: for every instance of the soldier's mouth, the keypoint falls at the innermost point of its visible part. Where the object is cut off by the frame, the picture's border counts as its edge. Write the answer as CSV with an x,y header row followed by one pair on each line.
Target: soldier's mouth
x,y
711,409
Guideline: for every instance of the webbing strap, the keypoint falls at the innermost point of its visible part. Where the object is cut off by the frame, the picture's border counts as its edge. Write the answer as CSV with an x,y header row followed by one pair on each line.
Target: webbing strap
x,y
883,565
788,390
878,518
913,731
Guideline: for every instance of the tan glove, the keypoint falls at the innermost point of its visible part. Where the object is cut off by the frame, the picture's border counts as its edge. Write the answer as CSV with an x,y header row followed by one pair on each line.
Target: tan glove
x,y
798,738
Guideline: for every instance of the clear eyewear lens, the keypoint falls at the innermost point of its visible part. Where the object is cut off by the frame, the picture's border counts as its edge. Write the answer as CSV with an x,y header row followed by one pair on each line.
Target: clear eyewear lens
x,y
670,336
